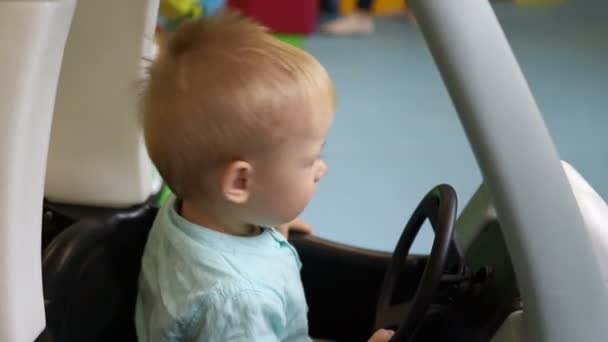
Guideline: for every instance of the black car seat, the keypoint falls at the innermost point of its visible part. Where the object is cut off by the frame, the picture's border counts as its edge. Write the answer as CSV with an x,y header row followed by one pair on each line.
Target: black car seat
x,y
91,269
90,273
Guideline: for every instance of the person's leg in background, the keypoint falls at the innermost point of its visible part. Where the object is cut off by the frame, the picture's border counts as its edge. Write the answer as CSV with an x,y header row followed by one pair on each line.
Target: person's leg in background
x,y
360,22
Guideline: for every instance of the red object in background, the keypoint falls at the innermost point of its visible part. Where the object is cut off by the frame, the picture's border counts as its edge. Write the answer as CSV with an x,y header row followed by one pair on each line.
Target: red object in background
x,y
281,16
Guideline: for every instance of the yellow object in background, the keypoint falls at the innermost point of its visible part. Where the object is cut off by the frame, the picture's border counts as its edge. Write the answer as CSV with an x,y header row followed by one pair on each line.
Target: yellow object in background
x,y
385,7
175,9
379,7
347,6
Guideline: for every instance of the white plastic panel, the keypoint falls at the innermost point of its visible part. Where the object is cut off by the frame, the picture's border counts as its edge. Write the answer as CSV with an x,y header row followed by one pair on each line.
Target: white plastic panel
x,y
32,37
96,154
595,214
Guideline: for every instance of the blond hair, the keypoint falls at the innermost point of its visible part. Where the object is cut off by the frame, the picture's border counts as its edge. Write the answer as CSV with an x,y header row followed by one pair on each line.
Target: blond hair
x,y
222,89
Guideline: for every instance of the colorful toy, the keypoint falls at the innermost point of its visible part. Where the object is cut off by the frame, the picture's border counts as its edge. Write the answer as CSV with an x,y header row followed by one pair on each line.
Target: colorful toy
x,y
179,9
293,39
173,12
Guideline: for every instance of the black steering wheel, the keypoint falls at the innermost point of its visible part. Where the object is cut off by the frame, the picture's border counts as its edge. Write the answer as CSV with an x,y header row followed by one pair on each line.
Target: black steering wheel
x,y
439,206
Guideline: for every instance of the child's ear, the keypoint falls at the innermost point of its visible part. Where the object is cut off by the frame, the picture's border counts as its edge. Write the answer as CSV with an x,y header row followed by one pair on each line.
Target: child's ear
x,y
236,182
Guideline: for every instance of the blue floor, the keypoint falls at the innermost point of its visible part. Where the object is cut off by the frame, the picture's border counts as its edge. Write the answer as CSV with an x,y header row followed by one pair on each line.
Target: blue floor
x,y
396,133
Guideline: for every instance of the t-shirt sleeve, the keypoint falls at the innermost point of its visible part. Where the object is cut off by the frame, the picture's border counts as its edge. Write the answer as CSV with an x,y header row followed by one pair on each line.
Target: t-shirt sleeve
x,y
246,315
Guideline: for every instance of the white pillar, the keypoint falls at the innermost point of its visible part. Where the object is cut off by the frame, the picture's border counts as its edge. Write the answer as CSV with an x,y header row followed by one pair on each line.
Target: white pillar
x,y
564,296
32,38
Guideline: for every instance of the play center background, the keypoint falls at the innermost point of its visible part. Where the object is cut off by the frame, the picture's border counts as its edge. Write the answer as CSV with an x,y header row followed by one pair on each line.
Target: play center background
x,y
397,134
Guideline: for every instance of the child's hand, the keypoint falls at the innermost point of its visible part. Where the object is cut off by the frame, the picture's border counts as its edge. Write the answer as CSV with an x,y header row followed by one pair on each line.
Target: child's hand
x,y
296,225
382,335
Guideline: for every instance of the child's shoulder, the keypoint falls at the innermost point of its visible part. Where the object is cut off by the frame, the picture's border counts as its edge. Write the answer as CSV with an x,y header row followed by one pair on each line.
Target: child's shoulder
x,y
203,262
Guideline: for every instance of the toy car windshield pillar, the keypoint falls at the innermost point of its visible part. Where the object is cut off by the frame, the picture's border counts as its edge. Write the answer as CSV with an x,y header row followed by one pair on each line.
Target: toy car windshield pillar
x,y
543,228
33,36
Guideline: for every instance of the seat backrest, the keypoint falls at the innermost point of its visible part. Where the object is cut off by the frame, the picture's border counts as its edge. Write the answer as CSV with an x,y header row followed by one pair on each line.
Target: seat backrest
x,y
116,56
90,274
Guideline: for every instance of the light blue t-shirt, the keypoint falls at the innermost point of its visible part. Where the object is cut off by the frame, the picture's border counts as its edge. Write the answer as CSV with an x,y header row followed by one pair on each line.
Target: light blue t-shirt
x,y
200,285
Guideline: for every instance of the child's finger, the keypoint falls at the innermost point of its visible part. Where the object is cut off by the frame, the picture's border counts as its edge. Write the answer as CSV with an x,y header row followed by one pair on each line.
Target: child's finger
x,y
300,226
382,335
296,225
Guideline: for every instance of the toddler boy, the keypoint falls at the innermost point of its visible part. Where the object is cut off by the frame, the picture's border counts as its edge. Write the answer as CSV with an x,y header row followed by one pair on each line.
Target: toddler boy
x,y
235,121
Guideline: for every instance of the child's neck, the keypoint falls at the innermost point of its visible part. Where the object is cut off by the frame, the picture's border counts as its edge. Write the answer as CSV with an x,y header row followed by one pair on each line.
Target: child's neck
x,y
199,215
